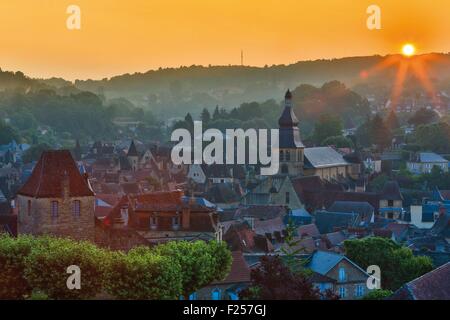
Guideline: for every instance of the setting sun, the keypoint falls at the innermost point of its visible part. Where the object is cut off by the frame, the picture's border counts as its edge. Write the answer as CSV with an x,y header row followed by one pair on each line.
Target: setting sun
x,y
408,50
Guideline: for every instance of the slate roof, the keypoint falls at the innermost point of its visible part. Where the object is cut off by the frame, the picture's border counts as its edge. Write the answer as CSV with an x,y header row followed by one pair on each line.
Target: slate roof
x,y
48,174
361,208
430,157
391,191
323,157
308,230
261,212
327,221
323,261
434,285
132,151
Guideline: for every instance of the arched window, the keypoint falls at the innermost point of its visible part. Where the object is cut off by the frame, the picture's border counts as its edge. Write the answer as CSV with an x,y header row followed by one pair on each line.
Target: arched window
x,y
288,155
342,275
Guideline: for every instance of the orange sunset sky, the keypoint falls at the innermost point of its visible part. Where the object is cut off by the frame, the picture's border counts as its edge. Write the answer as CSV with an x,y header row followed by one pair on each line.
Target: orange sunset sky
x,y
126,36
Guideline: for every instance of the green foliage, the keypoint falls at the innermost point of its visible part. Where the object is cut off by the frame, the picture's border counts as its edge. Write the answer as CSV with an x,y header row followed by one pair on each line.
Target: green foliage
x,y
434,137
423,116
392,122
378,294
378,183
13,252
338,142
37,268
398,264
34,152
142,274
46,268
7,133
374,131
199,266
327,126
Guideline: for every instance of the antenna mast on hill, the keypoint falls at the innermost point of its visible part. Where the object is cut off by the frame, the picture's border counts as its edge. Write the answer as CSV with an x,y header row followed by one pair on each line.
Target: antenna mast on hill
x,y
242,57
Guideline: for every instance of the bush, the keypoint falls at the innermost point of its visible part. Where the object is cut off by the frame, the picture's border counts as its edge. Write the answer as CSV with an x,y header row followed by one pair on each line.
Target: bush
x,y
143,275
13,252
46,268
200,262
377,295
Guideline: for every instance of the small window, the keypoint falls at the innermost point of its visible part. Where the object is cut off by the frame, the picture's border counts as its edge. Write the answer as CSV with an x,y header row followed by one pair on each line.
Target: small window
x,y
29,207
288,156
359,291
76,208
216,294
55,208
342,275
342,292
176,222
153,222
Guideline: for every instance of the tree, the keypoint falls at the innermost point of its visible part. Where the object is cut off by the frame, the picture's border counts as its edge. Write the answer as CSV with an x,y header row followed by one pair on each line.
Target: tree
x,y
398,264
381,135
423,116
7,133
13,284
338,142
434,137
273,280
205,116
34,152
143,274
378,294
47,263
327,126
392,122
198,261
216,114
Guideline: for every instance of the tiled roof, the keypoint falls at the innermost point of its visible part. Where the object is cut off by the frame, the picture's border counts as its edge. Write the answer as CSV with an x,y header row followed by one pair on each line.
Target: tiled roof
x,y
328,221
434,285
48,175
322,157
308,230
391,191
240,272
431,157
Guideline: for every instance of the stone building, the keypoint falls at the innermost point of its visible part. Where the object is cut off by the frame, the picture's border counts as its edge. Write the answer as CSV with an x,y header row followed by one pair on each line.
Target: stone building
x,y
296,160
56,199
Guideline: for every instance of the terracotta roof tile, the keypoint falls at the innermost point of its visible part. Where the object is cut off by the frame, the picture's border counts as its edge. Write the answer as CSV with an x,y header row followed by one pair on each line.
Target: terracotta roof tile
x,y
46,180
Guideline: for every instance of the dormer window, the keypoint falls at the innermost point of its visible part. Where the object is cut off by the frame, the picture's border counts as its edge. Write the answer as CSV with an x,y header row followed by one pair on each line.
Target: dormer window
x,y
153,222
176,222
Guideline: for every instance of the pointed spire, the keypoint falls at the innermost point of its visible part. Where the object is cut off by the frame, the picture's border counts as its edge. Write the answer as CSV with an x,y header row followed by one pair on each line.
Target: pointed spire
x,y
132,151
288,95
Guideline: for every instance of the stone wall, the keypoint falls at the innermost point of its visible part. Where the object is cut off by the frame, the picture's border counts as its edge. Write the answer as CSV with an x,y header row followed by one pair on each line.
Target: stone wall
x,y
38,219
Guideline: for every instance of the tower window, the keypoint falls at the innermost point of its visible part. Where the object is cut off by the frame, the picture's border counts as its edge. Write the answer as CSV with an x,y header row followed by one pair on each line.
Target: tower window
x,y
76,208
29,207
55,209
281,155
287,156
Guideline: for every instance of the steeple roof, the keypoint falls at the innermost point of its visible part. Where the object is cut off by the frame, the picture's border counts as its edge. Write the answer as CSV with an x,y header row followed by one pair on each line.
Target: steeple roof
x,y
132,151
288,123
46,180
